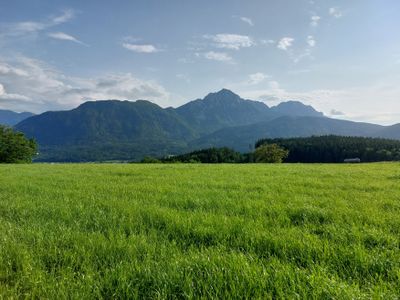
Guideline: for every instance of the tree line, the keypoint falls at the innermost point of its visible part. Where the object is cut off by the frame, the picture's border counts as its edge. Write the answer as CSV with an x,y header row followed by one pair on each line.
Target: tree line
x,y
270,153
335,149
315,149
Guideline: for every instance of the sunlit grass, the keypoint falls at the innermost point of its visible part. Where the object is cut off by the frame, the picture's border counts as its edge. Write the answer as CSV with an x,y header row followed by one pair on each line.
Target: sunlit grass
x,y
189,231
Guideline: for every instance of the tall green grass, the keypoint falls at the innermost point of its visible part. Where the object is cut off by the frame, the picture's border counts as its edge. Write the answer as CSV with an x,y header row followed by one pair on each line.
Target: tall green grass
x,y
200,231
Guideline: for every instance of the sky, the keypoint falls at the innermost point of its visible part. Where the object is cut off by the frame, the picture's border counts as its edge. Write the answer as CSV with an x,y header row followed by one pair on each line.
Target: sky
x,y
340,56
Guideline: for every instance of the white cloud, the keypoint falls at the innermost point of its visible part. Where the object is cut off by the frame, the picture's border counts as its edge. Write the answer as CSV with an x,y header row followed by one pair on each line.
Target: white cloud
x,y
231,41
6,96
256,78
44,88
19,29
27,27
218,56
247,20
8,69
335,12
64,37
306,53
67,15
311,41
285,43
141,48
315,20
335,112
359,103
297,54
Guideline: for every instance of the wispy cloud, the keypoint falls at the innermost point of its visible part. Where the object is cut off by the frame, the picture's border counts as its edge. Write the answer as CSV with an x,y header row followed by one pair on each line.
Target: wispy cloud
x,y
10,97
39,87
65,37
335,12
218,56
353,100
335,112
231,41
256,78
247,20
7,69
298,53
18,29
141,48
67,15
311,41
285,43
25,27
314,20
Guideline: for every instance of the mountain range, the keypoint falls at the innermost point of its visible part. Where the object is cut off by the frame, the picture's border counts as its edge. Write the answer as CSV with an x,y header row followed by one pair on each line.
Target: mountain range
x,y
129,130
10,118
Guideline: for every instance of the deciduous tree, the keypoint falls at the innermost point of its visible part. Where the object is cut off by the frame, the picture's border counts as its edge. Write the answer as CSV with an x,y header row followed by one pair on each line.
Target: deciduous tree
x,y
15,147
270,153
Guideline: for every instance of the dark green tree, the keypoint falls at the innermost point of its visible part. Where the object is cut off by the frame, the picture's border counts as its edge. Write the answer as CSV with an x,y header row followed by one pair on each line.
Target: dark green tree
x,y
150,160
209,156
270,153
15,147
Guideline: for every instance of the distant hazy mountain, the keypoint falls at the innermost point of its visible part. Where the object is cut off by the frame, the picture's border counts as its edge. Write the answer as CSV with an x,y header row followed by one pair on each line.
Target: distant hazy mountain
x,y
10,118
243,137
111,129
391,132
295,108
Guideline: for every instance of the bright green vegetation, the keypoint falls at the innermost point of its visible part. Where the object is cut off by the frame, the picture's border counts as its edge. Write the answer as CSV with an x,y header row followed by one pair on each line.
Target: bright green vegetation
x,y
211,231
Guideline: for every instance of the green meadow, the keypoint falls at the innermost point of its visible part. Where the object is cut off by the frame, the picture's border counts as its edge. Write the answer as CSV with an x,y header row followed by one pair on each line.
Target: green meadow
x,y
177,231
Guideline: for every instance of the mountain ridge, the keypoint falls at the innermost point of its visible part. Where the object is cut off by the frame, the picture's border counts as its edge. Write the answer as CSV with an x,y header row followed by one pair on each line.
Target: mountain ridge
x,y
11,118
222,109
296,108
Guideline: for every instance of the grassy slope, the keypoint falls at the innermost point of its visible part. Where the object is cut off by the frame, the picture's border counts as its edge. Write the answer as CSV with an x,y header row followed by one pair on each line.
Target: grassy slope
x,y
256,231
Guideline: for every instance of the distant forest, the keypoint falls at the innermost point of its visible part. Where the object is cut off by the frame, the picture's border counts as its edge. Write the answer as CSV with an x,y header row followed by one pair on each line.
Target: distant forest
x,y
335,149
316,149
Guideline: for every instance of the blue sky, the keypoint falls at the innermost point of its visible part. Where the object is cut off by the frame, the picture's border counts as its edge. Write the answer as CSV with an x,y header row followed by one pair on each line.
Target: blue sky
x,y
342,57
